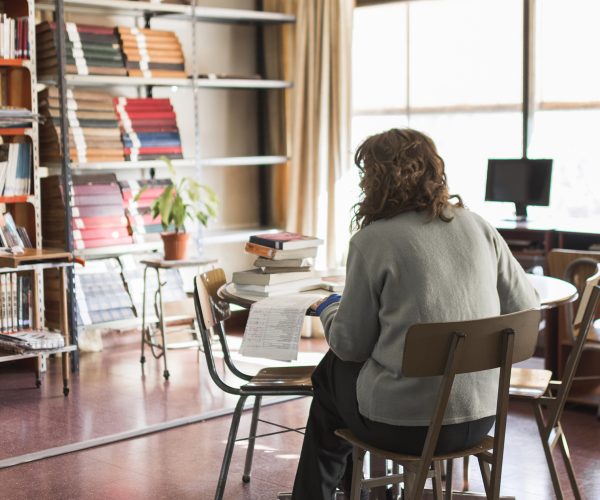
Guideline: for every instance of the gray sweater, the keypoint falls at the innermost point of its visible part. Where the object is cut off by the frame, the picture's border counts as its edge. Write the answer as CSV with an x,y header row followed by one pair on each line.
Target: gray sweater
x,y
405,270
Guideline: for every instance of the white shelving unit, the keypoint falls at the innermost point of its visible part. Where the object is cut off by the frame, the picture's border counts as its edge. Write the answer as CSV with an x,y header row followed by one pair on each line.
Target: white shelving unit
x,y
148,11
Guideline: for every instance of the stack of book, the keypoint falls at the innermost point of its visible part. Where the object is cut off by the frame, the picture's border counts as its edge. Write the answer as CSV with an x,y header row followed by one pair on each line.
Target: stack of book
x,y
133,274
13,116
22,342
138,197
152,53
93,127
283,265
15,169
148,128
14,37
98,218
101,293
90,50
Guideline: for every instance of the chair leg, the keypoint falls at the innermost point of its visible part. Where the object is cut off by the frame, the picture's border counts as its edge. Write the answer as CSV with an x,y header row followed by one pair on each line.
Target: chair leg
x,y
358,457
547,445
449,467
564,448
418,484
235,423
465,486
437,480
251,439
484,467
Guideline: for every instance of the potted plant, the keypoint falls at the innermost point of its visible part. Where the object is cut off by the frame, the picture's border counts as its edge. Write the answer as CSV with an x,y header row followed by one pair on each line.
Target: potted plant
x,y
184,199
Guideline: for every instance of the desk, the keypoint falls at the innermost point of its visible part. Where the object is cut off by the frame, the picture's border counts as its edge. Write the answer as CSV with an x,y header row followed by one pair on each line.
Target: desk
x,y
553,292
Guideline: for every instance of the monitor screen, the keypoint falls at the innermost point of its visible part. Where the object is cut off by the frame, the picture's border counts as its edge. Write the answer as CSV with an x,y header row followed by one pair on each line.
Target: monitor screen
x,y
521,181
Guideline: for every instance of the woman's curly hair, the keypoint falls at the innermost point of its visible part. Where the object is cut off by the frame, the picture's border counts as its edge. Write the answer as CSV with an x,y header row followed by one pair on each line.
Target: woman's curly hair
x,y
400,171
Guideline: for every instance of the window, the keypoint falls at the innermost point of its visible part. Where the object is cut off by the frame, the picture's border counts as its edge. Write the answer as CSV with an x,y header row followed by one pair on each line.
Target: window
x,y
567,117
451,69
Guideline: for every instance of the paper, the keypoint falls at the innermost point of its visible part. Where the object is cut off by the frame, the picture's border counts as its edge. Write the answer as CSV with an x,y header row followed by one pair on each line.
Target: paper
x,y
274,326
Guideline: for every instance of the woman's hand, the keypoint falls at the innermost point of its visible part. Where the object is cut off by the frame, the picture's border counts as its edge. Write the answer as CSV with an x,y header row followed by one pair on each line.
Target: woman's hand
x,y
318,303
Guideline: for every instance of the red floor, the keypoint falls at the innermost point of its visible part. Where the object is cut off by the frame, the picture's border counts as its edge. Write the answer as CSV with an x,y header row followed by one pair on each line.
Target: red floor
x,y
109,396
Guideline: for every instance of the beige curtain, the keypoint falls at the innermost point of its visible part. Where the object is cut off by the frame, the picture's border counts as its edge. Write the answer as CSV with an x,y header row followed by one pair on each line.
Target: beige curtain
x,y
320,114
312,121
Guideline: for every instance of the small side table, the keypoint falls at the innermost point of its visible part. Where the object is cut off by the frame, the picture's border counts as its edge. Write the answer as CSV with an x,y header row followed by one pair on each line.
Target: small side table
x,y
158,264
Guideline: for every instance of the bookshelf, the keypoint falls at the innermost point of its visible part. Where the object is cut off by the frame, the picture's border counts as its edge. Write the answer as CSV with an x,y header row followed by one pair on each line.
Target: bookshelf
x,y
170,17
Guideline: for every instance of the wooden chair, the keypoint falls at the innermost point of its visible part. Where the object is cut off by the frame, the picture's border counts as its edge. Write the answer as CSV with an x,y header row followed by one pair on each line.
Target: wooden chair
x,y
536,386
211,312
583,273
448,349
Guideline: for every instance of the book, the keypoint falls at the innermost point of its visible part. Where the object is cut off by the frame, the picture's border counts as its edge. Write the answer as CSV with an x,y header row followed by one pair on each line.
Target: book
x,y
275,254
285,240
290,263
33,340
279,289
257,277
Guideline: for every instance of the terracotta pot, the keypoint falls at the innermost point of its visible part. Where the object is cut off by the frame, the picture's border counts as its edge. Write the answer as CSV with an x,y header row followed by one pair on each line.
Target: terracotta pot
x,y
175,245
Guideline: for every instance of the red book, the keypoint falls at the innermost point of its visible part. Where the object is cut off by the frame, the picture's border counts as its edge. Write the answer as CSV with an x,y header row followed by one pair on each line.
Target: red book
x,y
101,242
148,194
92,189
94,200
139,101
98,211
155,150
143,220
97,222
150,115
100,233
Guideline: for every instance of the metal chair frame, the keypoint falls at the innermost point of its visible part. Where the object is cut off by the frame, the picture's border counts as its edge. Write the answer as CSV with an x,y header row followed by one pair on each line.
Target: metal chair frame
x,y
211,313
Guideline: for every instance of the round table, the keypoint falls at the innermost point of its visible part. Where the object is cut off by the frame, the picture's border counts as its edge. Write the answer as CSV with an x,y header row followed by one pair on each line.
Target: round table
x,y
552,291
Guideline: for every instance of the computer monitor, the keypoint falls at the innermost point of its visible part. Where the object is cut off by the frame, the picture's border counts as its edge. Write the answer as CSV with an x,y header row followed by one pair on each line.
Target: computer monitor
x,y
520,181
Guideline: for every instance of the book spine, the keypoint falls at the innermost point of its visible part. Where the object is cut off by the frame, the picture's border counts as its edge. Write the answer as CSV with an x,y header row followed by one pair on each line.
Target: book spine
x,y
13,296
260,250
266,242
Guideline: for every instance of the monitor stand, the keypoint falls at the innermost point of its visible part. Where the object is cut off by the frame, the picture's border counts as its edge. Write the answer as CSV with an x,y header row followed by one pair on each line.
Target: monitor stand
x,y
520,213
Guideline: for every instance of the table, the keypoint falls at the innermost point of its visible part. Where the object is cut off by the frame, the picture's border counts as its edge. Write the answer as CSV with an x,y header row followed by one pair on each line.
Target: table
x,y
158,264
552,291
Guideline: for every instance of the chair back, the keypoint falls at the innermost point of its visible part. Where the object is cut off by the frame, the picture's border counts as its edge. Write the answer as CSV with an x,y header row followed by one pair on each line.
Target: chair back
x,y
211,311
458,347
589,314
584,273
427,346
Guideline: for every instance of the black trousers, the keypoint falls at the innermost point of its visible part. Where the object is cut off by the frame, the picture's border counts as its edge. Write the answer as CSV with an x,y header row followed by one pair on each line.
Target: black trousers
x,y
325,460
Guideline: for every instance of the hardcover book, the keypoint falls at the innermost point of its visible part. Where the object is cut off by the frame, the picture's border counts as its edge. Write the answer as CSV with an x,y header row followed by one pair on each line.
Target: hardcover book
x,y
285,240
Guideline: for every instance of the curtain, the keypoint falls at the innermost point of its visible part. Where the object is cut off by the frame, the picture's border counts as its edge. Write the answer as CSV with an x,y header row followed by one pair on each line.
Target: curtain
x,y
316,113
320,116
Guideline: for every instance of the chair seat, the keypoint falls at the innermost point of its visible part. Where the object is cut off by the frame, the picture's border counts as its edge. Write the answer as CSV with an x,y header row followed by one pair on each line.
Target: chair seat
x,y
486,444
529,382
285,378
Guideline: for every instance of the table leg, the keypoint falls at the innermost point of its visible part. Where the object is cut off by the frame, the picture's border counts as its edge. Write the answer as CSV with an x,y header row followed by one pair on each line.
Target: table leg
x,y
142,357
161,321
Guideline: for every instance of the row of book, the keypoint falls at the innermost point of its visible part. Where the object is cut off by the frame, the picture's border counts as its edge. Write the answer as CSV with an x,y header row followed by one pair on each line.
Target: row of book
x,y
138,197
104,128
15,302
15,169
14,37
105,212
14,116
98,50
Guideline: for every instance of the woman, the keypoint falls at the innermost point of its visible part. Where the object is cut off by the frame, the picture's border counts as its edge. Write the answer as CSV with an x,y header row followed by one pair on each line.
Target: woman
x,y
417,258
